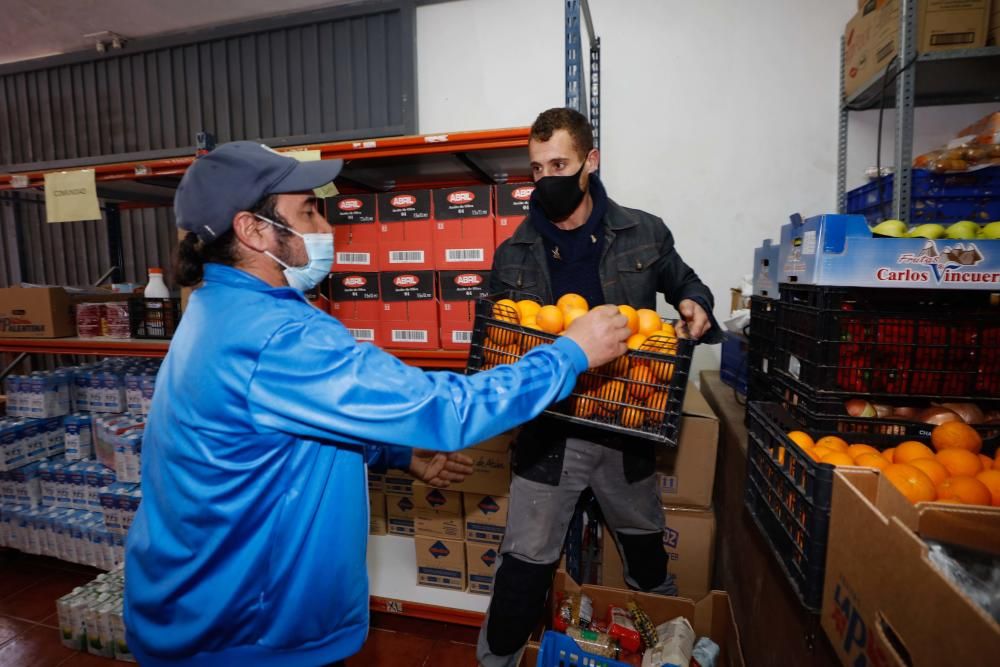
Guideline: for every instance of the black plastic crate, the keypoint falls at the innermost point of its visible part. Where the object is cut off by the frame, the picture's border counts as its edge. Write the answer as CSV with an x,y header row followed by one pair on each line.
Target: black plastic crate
x,y
154,318
890,342
825,411
734,367
618,397
788,495
762,352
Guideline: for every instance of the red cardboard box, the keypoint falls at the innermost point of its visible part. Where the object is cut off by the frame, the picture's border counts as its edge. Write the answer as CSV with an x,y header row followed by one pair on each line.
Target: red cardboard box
x,y
406,232
354,221
457,294
512,208
409,316
463,228
357,305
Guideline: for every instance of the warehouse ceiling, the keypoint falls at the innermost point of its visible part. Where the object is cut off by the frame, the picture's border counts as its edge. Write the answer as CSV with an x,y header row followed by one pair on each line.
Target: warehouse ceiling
x,y
39,28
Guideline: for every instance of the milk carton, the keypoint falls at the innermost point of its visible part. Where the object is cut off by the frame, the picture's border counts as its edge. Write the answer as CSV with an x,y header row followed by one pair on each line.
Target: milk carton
x,y
70,634
78,436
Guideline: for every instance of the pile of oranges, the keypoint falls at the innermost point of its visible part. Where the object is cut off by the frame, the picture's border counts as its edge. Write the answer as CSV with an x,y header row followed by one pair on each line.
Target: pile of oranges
x,y
954,471
631,391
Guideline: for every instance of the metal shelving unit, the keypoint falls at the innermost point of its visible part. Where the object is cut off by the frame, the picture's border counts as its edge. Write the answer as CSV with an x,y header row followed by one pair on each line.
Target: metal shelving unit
x,y
959,76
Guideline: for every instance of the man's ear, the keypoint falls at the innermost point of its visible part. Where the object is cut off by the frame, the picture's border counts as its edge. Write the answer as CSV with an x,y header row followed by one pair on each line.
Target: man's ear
x,y
593,160
250,231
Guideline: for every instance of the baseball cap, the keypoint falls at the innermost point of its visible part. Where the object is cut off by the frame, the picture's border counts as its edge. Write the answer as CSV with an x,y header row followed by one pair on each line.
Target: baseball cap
x,y
234,177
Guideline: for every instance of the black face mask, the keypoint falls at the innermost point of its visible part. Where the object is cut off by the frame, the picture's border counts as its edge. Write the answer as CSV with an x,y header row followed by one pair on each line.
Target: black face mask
x,y
559,195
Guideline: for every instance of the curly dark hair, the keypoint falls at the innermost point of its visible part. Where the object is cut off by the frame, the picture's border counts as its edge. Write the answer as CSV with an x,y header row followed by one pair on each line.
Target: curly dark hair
x,y
572,121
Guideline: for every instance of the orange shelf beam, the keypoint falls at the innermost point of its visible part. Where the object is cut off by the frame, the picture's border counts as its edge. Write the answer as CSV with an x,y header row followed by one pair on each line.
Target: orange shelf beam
x,y
426,611
454,142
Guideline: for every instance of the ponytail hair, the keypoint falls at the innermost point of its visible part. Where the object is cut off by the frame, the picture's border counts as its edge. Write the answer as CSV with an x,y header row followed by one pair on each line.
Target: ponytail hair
x,y
193,254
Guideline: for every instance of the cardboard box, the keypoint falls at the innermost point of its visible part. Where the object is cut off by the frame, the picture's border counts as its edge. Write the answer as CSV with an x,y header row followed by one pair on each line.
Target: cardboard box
x,y
443,501
376,481
485,517
840,250
512,208
406,232
491,467
409,317
686,473
711,616
431,523
440,562
765,269
463,228
400,513
36,312
941,25
377,518
688,539
859,58
355,227
457,294
880,582
480,562
356,304
398,482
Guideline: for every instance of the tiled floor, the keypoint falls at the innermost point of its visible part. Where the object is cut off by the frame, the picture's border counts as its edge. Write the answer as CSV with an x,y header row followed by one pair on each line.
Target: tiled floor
x,y
30,585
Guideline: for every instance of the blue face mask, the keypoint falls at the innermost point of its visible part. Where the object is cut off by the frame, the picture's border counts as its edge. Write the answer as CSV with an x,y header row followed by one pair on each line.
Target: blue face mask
x,y
319,250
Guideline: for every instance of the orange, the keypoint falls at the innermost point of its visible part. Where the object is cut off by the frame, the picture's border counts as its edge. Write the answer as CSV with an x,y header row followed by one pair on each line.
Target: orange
x,y
527,308
632,417
505,310
986,461
911,450
501,354
967,490
616,368
641,385
635,341
991,478
611,394
584,404
801,438
631,316
912,483
872,461
528,341
550,319
833,442
668,329
889,454
571,314
649,321
996,460
837,459
956,435
660,341
856,450
930,467
530,322
819,452
570,300
960,462
498,336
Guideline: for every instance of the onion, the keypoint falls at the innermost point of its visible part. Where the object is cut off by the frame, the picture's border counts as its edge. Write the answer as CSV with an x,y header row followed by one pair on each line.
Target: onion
x,y
859,407
969,412
906,412
938,415
882,411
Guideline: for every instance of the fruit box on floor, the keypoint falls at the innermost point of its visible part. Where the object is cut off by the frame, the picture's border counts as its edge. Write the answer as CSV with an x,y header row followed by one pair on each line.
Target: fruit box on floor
x,y
711,617
841,250
885,602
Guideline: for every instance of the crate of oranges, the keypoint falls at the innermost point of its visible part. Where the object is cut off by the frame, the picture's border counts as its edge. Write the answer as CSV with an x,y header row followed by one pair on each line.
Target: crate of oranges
x,y
639,394
790,480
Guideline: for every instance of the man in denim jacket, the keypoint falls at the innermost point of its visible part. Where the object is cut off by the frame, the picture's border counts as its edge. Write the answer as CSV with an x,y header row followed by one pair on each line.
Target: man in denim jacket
x,y
577,240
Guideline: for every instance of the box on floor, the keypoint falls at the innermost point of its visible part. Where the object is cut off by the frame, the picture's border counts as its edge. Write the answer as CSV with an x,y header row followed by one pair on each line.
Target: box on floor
x,y
481,564
440,562
881,581
686,473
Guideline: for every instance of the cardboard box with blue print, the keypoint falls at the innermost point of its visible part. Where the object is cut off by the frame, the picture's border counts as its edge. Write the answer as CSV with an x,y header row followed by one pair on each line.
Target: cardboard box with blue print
x,y
685,475
440,562
377,520
463,228
485,517
400,514
481,562
438,512
355,228
490,467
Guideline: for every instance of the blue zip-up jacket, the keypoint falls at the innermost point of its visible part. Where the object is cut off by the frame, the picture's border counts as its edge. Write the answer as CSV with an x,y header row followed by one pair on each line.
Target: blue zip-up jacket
x,y
249,545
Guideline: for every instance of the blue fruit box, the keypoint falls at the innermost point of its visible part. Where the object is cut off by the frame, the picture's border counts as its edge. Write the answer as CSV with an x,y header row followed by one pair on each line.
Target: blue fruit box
x,y
765,269
841,250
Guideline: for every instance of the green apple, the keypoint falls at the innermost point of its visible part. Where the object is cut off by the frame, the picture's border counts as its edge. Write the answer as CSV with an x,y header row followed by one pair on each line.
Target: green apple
x,y
895,228
929,231
991,231
964,229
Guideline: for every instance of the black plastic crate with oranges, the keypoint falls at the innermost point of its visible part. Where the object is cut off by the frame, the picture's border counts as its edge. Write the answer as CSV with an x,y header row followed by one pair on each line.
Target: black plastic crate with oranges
x,y
890,342
639,394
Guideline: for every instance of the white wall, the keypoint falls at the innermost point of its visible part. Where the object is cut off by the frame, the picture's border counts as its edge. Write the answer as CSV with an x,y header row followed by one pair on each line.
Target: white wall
x,y
719,116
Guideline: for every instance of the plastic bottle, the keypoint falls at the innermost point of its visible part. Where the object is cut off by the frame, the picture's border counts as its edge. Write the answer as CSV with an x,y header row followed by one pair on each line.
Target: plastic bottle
x,y
156,288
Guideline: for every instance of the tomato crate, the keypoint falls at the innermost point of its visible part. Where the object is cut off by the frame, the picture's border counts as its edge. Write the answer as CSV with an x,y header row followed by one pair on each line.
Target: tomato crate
x,y
890,342
638,395
788,495
825,411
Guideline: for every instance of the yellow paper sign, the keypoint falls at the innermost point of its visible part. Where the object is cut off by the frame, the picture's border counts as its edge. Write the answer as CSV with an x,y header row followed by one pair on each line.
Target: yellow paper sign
x,y
71,196
324,191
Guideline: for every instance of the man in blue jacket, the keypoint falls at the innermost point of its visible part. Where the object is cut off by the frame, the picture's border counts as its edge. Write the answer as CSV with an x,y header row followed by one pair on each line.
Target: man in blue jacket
x,y
249,545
